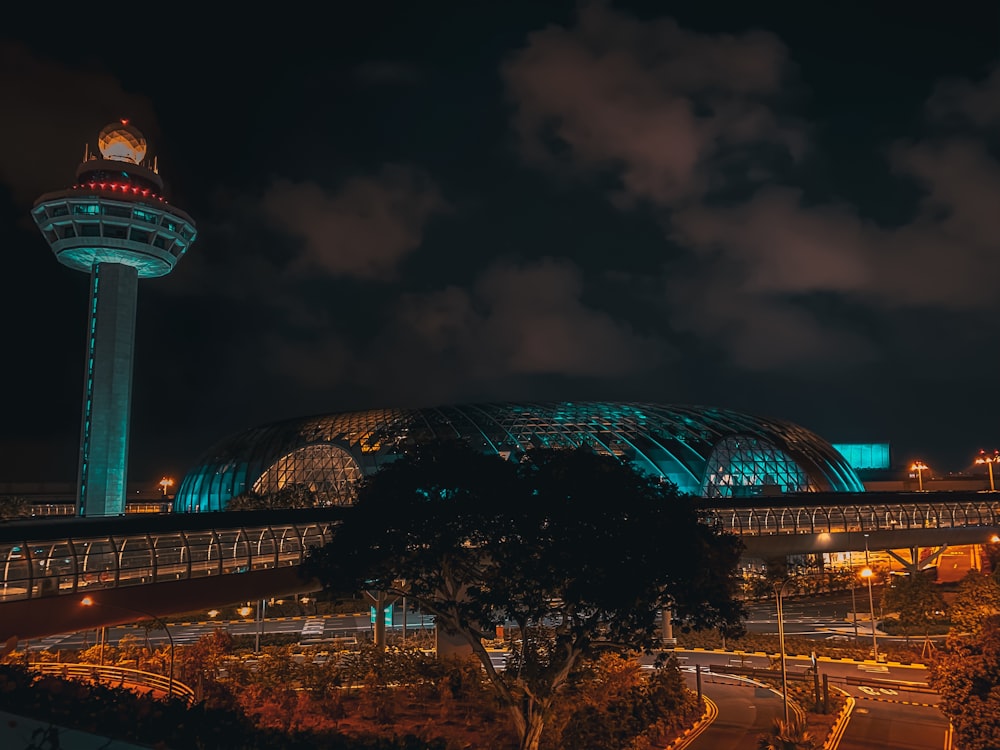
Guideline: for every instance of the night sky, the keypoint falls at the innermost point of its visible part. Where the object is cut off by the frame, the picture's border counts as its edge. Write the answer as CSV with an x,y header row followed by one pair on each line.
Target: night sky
x,y
778,208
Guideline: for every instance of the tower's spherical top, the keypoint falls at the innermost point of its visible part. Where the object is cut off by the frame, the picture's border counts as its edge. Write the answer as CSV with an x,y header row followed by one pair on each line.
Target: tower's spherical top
x,y
120,141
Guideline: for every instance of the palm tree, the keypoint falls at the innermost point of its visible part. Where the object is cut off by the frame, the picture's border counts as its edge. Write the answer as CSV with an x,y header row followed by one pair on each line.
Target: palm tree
x,y
790,735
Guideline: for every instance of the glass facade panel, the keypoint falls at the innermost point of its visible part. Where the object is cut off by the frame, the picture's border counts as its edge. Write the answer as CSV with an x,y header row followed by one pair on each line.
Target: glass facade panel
x,y
135,560
326,472
16,571
751,466
314,536
206,558
289,545
235,550
98,562
171,557
262,549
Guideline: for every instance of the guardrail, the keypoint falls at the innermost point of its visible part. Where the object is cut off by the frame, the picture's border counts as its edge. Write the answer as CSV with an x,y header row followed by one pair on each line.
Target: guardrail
x,y
133,678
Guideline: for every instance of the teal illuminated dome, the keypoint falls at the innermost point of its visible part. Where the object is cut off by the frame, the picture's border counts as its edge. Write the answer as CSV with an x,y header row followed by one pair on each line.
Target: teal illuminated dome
x,y
115,212
707,452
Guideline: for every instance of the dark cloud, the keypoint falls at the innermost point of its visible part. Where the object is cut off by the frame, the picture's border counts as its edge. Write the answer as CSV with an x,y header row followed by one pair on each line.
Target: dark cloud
x,y
529,320
582,204
363,229
965,101
650,101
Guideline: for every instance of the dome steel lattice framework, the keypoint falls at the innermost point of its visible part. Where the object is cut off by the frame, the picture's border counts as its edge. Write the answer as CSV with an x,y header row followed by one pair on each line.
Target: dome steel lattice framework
x,y
707,452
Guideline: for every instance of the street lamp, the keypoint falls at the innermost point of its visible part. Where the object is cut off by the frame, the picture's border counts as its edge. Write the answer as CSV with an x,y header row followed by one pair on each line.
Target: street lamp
x,y
854,600
867,573
89,602
779,590
164,483
985,458
920,467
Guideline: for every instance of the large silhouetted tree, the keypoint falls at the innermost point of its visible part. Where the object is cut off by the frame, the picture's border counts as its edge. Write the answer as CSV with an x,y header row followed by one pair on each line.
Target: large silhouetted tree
x,y
967,677
578,550
918,603
978,599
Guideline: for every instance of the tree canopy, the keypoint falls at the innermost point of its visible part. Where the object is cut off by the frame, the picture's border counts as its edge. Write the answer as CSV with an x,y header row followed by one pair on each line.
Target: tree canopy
x,y
578,550
966,674
916,600
978,599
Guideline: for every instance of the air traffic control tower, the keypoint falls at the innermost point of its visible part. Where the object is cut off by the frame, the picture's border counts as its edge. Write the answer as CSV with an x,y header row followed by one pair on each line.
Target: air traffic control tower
x,y
114,224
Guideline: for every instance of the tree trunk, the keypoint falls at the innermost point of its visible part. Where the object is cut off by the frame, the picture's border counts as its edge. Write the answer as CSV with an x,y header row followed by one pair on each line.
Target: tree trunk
x,y
532,731
529,720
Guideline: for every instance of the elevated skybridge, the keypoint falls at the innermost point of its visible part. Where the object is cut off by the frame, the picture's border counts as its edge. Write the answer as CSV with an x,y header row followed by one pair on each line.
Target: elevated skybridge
x,y
148,565
159,564
841,522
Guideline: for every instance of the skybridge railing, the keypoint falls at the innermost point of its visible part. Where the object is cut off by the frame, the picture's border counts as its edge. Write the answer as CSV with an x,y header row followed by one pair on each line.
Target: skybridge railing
x,y
33,568
140,549
817,519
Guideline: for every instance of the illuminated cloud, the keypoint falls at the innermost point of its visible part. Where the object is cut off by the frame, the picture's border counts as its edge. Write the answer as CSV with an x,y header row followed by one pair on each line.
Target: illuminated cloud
x,y
364,228
654,103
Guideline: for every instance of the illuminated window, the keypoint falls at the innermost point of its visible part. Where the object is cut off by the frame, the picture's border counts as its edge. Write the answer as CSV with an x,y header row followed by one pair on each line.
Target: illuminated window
x,y
746,466
326,471
87,208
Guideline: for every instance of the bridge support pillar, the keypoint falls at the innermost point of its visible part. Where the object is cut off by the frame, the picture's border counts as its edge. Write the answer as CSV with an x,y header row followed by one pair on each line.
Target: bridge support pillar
x,y
667,636
378,601
914,565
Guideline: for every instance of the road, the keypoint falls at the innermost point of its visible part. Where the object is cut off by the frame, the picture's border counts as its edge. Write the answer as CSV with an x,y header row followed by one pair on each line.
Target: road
x,y
745,712
311,629
814,617
884,718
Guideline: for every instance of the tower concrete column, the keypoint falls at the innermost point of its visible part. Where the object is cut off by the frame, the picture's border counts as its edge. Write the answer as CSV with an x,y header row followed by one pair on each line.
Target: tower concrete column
x,y
107,393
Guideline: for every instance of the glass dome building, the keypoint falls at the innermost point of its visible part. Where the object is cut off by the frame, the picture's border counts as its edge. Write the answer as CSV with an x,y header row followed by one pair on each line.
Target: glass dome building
x,y
707,452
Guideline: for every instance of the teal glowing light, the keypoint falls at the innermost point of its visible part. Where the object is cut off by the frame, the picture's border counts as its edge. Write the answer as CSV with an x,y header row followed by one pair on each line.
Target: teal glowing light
x,y
862,456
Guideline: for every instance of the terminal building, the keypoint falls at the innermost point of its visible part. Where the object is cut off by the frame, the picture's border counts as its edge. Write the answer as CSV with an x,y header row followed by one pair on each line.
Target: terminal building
x,y
707,452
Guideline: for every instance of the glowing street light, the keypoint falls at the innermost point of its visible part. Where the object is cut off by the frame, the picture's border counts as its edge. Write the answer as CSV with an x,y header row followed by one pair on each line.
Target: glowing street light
x,y
779,590
867,573
920,467
985,458
89,602
164,483
779,593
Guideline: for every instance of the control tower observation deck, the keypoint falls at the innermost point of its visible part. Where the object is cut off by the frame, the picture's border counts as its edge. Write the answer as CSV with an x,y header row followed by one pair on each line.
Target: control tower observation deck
x,y
115,224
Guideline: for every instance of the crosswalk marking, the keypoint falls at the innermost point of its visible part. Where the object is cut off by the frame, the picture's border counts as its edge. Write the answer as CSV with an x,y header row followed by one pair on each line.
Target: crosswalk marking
x,y
313,628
